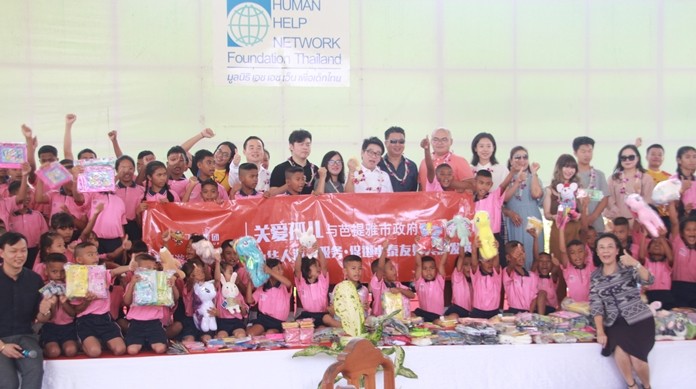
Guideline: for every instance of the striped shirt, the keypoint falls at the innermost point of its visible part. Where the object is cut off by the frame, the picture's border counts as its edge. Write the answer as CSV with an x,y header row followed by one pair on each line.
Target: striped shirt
x,y
618,294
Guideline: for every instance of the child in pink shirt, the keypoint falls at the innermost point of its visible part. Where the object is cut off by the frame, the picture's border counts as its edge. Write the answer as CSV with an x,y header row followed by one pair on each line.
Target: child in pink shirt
x,y
273,299
430,286
229,321
487,282
521,286
131,194
312,282
577,270
548,275
61,199
195,272
461,287
385,280
94,323
109,225
29,223
59,333
207,191
145,326
352,271
49,243
156,184
229,255
684,252
658,258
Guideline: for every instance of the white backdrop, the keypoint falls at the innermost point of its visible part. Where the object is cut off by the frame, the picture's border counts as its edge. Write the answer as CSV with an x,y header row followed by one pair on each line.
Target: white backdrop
x,y
534,72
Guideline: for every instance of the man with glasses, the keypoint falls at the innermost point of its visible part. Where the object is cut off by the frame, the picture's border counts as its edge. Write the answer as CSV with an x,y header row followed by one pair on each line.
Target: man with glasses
x,y
402,172
368,177
441,141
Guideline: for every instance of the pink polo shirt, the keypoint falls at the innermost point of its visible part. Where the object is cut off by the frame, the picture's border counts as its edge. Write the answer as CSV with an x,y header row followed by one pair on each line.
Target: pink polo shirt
x,y
131,196
274,302
60,317
196,194
224,313
240,196
493,204
433,186
461,290
314,297
662,273
548,286
178,186
377,288
578,281
187,297
460,168
144,313
431,294
242,275
57,200
486,290
99,306
520,291
31,225
109,224
8,205
161,196
684,261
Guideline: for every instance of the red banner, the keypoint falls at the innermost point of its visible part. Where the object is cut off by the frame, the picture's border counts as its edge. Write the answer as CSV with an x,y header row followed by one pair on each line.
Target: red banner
x,y
344,224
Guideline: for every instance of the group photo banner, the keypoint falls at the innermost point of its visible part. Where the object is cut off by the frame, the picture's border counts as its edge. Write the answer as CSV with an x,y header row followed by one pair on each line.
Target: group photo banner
x,y
282,42
344,224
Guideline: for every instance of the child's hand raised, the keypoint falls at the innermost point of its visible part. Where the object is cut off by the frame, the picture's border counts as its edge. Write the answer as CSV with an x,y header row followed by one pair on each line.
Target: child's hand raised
x,y
207,133
425,143
113,135
533,232
26,131
70,118
192,182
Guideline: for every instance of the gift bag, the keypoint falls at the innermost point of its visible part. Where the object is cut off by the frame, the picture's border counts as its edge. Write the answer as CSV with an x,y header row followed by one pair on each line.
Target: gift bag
x,y
54,175
392,302
80,279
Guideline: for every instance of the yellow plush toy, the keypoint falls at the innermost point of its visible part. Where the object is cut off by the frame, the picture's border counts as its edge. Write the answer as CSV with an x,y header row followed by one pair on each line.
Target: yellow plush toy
x,y
485,235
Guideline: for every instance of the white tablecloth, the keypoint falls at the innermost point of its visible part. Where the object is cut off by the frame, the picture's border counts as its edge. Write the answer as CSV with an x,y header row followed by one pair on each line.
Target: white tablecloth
x,y
528,366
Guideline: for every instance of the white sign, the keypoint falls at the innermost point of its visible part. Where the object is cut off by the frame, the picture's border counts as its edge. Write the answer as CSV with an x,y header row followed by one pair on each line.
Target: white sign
x,y
282,42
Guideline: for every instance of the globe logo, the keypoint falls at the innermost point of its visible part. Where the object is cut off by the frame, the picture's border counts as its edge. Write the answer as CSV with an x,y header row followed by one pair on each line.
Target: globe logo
x,y
248,24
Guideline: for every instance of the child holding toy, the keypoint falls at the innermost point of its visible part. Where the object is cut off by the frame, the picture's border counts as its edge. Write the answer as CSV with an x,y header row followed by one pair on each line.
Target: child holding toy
x,y
94,324
521,286
49,243
145,326
231,308
548,274
684,251
385,280
352,271
229,255
430,286
58,335
273,299
461,287
487,282
194,271
312,282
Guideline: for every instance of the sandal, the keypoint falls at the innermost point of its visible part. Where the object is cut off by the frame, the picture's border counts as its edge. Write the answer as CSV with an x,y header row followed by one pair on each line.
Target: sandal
x,y
633,385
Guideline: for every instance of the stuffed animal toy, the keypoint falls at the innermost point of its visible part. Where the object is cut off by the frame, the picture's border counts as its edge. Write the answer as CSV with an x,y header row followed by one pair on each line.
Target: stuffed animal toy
x,y
432,236
169,263
230,291
566,204
644,214
485,235
460,227
250,254
307,241
666,191
203,300
206,251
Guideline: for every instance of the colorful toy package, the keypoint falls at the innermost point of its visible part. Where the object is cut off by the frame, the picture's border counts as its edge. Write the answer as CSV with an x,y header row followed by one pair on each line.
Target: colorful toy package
x,y
153,288
98,176
54,175
53,288
81,279
432,236
12,155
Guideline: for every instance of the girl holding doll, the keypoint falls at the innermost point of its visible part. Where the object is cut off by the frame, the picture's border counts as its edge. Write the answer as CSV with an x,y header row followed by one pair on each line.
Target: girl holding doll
x,y
312,282
273,299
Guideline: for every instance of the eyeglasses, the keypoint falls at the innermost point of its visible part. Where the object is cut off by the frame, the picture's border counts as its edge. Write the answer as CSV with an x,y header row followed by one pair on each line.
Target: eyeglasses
x,y
334,162
224,154
625,158
518,157
399,141
373,153
440,140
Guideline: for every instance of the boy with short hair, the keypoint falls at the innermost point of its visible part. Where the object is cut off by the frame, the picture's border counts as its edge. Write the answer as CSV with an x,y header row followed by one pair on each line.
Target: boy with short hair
x,y
27,222
205,169
593,181
59,333
430,287
94,323
294,180
248,179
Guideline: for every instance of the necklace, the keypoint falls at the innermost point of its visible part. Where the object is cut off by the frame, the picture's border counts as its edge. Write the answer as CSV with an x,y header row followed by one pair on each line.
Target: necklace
x,y
446,159
312,168
392,173
625,180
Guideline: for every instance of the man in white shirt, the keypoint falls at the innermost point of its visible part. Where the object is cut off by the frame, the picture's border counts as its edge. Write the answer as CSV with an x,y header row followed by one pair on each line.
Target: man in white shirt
x,y
254,153
368,177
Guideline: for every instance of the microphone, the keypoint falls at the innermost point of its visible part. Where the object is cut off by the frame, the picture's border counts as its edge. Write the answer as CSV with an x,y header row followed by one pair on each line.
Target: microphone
x,y
31,354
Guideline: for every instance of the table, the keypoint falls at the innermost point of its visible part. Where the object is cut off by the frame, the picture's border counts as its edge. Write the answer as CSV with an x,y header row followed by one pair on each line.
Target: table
x,y
498,366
